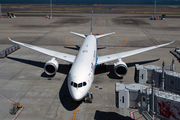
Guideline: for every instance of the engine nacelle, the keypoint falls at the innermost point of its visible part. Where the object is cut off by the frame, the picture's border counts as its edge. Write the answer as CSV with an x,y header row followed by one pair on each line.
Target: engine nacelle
x,y
120,68
51,67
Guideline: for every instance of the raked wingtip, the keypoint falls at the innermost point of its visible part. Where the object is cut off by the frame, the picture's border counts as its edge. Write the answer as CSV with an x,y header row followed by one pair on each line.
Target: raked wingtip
x,y
172,41
9,38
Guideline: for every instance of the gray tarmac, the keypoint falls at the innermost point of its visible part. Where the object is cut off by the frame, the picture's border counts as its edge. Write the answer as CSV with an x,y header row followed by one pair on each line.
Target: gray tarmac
x,y
22,77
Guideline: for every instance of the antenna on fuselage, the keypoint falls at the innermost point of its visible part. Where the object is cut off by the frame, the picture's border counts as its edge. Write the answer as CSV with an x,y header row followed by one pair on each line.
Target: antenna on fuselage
x,y
91,22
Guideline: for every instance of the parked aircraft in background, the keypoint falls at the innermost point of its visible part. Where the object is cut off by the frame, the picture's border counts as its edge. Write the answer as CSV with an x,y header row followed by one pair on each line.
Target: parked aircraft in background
x,y
81,75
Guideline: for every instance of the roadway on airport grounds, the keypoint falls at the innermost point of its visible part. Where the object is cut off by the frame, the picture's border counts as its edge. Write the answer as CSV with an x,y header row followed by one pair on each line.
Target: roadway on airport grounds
x,y
23,79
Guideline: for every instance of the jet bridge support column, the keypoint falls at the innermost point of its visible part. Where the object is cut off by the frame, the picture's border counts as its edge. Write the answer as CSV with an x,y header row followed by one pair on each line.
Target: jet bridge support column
x,y
162,82
172,65
147,101
152,99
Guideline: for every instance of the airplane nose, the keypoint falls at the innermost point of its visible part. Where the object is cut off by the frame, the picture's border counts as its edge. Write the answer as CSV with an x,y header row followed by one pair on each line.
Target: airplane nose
x,y
77,95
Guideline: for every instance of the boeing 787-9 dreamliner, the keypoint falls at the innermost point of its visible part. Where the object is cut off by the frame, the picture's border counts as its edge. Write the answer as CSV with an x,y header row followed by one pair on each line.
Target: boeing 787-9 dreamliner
x,y
81,74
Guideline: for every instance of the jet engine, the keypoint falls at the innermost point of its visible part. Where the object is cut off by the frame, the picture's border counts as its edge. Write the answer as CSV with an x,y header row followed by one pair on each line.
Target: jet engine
x,y
51,67
120,68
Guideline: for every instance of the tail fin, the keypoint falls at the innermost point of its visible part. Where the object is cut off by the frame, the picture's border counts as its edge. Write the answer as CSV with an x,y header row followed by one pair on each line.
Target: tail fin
x,y
91,22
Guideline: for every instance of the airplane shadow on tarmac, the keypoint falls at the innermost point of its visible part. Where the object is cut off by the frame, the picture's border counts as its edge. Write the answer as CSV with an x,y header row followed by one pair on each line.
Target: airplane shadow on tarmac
x,y
64,95
101,115
110,68
64,68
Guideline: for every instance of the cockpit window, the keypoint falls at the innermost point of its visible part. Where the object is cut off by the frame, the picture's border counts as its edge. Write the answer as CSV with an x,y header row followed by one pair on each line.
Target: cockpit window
x,y
84,83
71,83
78,85
75,84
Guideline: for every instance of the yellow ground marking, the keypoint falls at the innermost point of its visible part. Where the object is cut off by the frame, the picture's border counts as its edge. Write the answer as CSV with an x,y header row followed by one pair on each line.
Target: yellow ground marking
x,y
100,23
8,29
62,114
4,35
116,46
57,110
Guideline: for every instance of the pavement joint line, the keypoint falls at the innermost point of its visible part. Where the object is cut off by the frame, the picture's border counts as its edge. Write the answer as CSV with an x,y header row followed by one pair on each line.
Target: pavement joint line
x,y
149,36
62,114
16,74
33,82
57,110
51,105
44,35
100,23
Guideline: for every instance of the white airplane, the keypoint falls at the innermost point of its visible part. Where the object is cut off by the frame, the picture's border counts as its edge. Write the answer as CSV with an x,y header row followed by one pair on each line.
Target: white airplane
x,y
81,75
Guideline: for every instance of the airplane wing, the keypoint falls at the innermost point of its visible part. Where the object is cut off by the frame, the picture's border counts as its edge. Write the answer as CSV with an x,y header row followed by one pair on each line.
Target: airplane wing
x,y
111,57
63,56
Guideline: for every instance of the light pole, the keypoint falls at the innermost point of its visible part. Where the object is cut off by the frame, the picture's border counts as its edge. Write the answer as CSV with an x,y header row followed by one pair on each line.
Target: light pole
x,y
154,9
51,8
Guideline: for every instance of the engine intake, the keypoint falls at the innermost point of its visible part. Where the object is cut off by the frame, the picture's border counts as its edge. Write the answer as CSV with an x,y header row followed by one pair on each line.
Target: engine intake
x,y
120,68
51,67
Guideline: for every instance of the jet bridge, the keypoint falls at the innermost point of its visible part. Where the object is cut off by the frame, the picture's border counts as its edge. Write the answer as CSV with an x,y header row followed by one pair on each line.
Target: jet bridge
x,y
127,95
155,103
151,102
170,80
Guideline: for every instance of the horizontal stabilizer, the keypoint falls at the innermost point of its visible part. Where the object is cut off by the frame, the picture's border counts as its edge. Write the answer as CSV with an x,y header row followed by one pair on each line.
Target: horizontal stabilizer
x,y
78,34
100,36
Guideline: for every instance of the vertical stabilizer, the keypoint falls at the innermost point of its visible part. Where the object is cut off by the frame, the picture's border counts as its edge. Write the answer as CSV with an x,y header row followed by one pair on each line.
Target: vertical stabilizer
x,y
91,22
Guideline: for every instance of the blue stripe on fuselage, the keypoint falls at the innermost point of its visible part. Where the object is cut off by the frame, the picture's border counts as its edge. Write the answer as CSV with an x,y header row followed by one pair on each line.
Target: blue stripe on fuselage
x,y
96,52
96,60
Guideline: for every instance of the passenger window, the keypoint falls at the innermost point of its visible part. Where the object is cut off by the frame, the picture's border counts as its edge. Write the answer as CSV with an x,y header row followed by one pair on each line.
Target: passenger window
x,y
80,85
75,84
84,83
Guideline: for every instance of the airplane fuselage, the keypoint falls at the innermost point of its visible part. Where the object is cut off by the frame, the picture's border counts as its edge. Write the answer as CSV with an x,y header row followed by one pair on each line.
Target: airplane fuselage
x,y
81,75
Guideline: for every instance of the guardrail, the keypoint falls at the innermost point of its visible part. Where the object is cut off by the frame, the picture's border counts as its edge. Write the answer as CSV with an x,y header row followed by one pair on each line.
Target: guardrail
x,y
9,50
167,95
